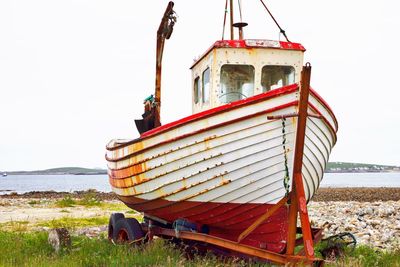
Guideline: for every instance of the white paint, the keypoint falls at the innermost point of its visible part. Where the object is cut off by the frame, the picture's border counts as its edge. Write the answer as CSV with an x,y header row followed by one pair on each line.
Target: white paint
x,y
243,162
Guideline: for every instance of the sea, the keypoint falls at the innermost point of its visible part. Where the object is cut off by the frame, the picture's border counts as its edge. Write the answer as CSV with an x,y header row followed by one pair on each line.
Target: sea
x,y
70,183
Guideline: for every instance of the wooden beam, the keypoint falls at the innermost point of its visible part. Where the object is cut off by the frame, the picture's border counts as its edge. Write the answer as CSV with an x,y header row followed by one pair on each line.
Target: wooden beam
x,y
298,200
262,218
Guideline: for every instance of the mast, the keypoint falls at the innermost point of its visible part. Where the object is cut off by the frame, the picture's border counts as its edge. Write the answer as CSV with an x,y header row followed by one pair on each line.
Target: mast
x,y
231,16
152,106
164,32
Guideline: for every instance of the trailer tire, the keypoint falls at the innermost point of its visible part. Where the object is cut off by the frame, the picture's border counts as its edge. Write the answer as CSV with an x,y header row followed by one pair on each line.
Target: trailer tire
x,y
114,218
127,230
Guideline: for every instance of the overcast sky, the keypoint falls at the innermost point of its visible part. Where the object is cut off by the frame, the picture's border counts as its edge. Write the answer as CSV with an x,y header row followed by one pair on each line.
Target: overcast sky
x,y
73,74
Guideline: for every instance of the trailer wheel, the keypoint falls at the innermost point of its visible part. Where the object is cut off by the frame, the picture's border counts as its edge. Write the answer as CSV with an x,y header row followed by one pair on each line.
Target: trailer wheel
x,y
127,230
114,218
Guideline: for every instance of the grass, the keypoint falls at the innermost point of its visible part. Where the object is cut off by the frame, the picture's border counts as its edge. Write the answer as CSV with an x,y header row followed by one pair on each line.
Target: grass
x,y
65,202
369,257
15,226
34,202
89,199
32,249
65,222
73,223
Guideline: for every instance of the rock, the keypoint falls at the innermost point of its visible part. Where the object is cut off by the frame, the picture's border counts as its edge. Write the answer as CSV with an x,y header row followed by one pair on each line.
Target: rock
x,y
366,237
59,239
374,224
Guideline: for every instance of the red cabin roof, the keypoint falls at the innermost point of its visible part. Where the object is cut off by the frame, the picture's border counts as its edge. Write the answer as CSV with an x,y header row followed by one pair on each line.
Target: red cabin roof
x,y
252,43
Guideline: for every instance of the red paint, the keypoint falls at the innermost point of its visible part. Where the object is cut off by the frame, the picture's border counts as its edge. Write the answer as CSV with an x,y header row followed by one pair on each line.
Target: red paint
x,y
242,44
330,126
207,113
254,99
225,220
290,104
120,173
324,103
303,204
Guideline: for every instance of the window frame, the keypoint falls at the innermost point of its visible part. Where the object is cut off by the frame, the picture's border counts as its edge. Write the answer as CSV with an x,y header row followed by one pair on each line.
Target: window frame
x,y
203,89
262,71
240,92
197,90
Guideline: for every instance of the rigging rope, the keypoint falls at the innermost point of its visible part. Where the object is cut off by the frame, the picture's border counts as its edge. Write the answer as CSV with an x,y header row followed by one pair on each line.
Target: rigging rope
x,y
286,179
223,26
281,30
240,9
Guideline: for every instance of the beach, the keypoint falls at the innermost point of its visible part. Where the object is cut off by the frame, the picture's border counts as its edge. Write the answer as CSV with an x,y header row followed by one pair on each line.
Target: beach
x,y
372,215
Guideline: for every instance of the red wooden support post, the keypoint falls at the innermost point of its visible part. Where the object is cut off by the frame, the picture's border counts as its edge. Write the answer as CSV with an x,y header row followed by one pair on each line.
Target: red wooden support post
x,y
298,199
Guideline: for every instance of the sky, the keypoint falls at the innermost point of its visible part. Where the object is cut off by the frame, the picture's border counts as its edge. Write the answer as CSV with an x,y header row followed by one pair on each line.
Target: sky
x,y
73,74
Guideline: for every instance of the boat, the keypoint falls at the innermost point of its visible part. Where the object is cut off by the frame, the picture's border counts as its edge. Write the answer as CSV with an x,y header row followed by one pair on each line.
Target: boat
x,y
4,174
244,165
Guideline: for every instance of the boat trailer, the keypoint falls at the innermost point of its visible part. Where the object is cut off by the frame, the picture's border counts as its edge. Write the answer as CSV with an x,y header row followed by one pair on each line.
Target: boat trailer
x,y
128,230
121,229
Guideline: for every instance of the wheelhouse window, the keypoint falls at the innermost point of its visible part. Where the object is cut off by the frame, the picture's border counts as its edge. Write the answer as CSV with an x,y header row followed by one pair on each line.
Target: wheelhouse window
x,y
196,90
273,77
206,86
237,82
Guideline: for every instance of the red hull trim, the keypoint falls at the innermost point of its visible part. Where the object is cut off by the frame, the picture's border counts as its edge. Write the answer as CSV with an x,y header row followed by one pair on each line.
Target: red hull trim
x,y
242,44
207,113
274,109
224,220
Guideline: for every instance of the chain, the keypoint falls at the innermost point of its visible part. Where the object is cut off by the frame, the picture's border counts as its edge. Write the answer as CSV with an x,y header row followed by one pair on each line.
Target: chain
x,y
286,178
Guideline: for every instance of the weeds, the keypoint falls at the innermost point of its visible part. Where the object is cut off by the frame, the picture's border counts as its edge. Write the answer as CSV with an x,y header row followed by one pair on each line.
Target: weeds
x,y
90,199
65,202
15,226
34,202
32,249
73,223
367,256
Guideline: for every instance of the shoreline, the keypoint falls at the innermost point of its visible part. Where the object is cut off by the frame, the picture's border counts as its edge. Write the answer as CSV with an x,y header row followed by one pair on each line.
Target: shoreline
x,y
371,214
325,194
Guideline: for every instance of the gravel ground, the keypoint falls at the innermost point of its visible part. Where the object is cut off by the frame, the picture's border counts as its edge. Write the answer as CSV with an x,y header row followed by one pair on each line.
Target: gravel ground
x,y
361,194
323,194
371,214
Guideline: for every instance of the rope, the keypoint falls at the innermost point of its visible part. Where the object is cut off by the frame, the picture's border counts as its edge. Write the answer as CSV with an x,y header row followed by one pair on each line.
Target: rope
x,y
223,26
240,9
286,179
281,30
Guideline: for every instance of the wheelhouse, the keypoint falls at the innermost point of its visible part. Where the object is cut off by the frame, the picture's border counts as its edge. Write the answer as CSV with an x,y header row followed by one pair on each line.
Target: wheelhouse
x,y
232,70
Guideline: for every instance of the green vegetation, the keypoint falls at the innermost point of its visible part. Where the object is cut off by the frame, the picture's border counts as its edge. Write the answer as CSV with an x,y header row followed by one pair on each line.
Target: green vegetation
x,y
367,256
65,222
34,202
73,223
15,226
358,167
63,170
65,202
331,167
89,199
32,249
